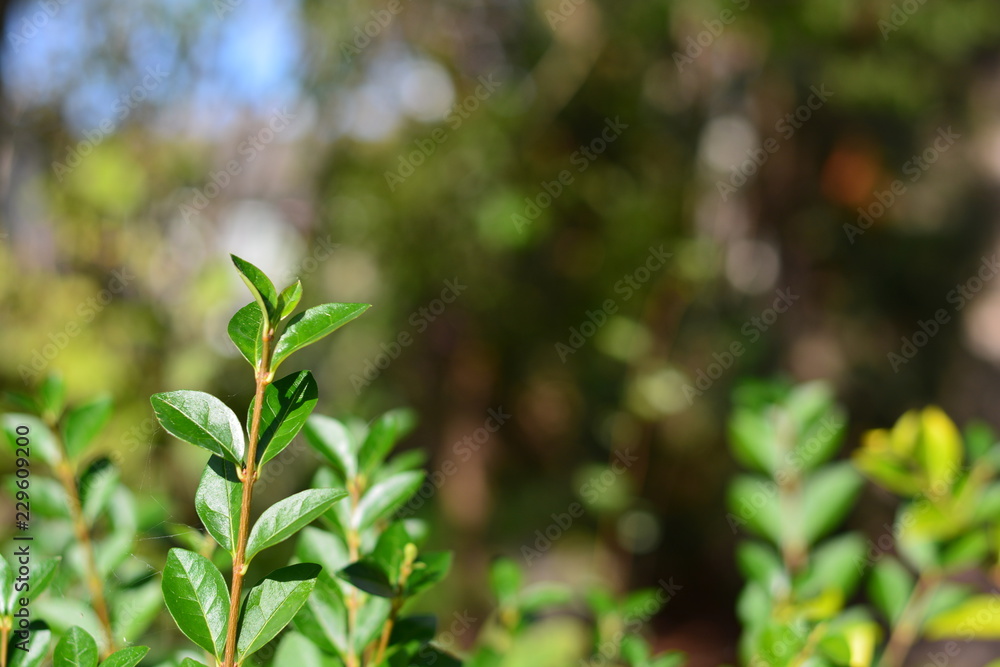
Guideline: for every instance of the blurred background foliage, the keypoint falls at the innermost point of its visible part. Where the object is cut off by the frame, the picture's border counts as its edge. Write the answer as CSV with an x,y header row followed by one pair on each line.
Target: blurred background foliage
x,y
120,118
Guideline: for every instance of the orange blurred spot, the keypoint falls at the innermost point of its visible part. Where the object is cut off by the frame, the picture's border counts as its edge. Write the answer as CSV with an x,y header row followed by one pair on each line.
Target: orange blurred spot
x,y
851,173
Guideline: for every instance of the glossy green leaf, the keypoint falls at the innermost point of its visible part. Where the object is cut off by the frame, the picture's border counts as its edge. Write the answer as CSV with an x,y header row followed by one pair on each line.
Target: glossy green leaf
x,y
428,569
371,620
126,657
388,551
218,502
289,299
333,441
310,326
82,423
196,596
370,577
890,587
287,404
382,436
386,497
272,604
288,516
203,420
42,443
38,647
246,330
260,286
97,485
76,649
828,497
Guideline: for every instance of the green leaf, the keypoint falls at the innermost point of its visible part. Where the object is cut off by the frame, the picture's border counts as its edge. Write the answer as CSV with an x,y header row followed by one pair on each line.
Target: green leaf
x,y
828,496
203,420
753,501
890,587
837,564
127,657
386,497
287,404
82,424
310,326
969,550
76,649
42,573
288,516
272,604
323,619
218,502
333,441
42,442
6,588
428,569
758,562
371,619
505,580
246,330
197,598
261,287
52,397
939,449
382,436
38,647
324,548
370,577
752,436
289,298
134,608
974,619
191,662
388,551
296,649
544,596
97,485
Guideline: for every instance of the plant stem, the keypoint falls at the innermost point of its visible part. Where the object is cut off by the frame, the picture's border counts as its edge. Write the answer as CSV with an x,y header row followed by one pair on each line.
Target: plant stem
x,y
353,548
908,627
248,477
92,577
383,643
